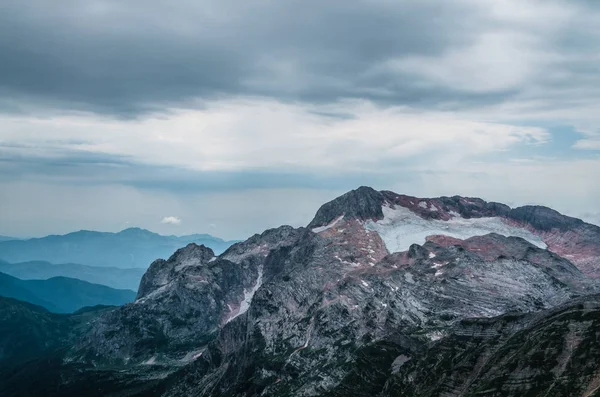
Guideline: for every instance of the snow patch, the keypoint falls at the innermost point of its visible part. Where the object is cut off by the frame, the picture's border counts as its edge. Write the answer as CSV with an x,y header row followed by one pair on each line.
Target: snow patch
x,y
438,273
399,362
248,295
423,204
191,356
364,283
214,258
327,227
400,228
431,255
435,335
437,265
150,361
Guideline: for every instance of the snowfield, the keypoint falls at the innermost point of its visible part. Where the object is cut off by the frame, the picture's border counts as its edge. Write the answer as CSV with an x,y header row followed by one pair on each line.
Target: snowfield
x,y
400,228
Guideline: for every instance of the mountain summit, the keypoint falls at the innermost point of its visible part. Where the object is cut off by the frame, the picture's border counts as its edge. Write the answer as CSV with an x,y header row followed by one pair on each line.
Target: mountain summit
x,y
361,302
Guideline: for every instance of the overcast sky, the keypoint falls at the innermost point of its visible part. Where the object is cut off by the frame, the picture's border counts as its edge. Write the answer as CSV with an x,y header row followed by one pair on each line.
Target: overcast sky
x,y
231,116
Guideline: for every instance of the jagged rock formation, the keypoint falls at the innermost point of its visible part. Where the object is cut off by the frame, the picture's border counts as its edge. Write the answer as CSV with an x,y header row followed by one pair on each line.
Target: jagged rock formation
x,y
183,302
375,284
552,353
307,343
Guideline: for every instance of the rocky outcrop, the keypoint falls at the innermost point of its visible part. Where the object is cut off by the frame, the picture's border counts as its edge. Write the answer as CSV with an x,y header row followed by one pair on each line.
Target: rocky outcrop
x,y
183,302
444,208
362,203
552,353
312,330
544,218
161,272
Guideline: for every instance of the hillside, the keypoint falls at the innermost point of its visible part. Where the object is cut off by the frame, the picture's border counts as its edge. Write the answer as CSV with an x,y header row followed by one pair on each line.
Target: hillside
x,y
110,276
62,294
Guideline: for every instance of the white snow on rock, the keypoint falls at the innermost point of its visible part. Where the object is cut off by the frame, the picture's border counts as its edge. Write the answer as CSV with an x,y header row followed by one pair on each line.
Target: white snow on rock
x,y
155,293
248,295
326,227
150,361
435,335
423,204
431,255
400,228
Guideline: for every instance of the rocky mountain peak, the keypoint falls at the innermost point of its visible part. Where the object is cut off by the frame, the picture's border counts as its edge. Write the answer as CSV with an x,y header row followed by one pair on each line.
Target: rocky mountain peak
x,y
161,271
543,218
192,254
336,309
362,203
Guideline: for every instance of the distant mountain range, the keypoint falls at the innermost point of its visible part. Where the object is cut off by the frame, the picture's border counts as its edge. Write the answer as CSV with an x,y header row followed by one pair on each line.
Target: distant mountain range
x,y
130,248
110,276
6,238
62,294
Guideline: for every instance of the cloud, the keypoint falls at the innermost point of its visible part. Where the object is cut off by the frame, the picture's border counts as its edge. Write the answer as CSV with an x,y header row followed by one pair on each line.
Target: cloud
x,y
171,220
291,103
260,136
139,57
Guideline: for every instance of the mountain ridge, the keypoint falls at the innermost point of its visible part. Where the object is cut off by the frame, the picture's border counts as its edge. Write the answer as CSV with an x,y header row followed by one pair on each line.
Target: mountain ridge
x,y
375,288
129,248
62,294
110,276
565,235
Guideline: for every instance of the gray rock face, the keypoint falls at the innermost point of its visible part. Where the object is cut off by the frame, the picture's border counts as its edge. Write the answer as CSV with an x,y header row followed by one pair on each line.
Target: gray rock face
x,y
183,302
305,336
362,203
544,218
161,272
552,353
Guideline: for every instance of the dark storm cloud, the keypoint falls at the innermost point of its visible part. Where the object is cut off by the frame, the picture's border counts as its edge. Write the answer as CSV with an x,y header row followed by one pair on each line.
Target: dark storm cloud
x,y
130,57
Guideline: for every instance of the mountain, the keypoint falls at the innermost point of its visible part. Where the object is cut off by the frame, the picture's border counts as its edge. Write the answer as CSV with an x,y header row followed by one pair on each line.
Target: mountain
x,y
6,238
62,294
28,331
110,276
129,248
381,295
552,353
